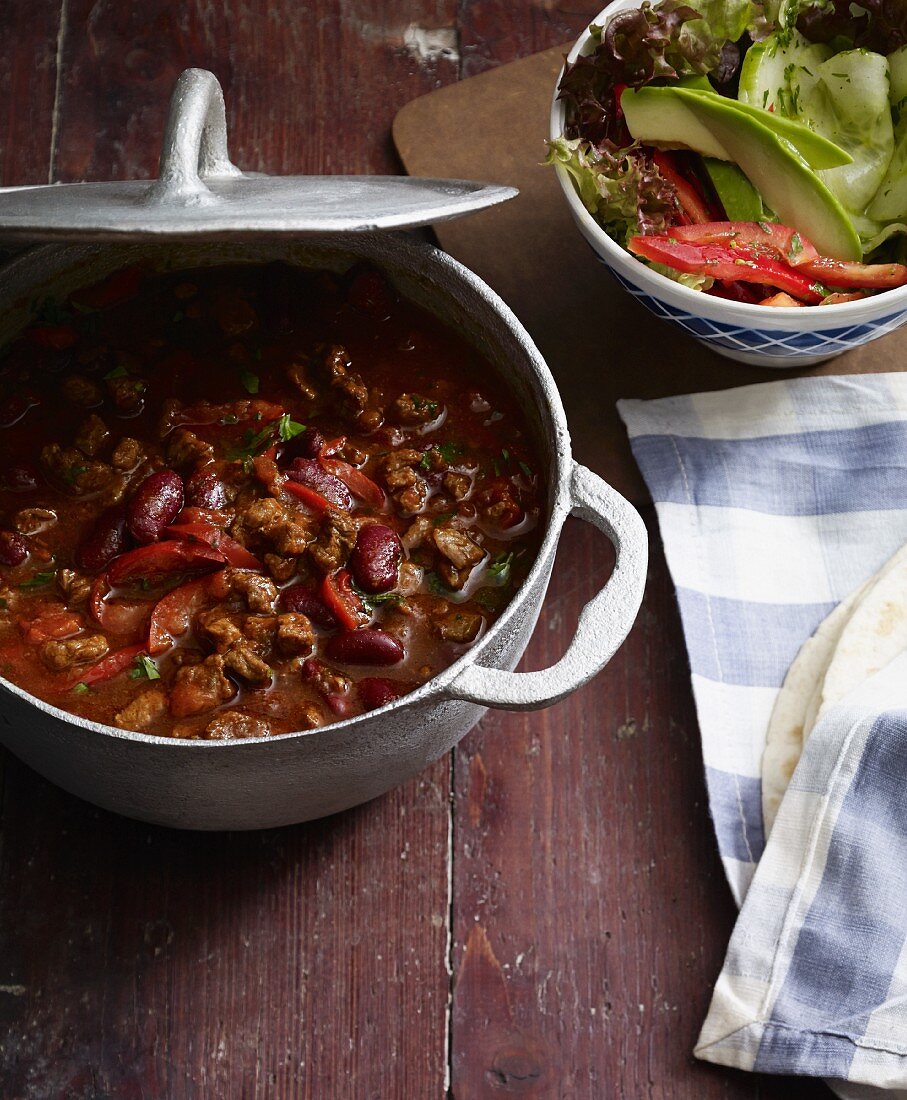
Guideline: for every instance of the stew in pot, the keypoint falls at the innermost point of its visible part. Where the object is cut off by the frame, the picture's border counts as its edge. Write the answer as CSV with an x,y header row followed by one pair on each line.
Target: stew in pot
x,y
247,500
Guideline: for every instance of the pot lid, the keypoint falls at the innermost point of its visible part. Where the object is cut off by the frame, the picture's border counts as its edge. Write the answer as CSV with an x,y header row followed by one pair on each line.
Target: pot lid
x,y
199,192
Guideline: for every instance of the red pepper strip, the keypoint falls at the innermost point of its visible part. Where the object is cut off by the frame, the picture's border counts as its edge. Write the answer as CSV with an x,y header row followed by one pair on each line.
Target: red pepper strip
x,y
117,616
690,201
160,558
726,263
848,274
308,496
207,533
786,243
56,624
57,337
354,479
108,667
349,610
120,286
173,613
254,411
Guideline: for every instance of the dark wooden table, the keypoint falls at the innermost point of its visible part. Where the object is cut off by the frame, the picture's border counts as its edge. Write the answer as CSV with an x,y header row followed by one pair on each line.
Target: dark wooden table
x,y
542,912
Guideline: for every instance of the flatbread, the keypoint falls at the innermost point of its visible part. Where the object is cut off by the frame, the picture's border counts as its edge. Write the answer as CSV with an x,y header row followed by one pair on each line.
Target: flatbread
x,y
836,659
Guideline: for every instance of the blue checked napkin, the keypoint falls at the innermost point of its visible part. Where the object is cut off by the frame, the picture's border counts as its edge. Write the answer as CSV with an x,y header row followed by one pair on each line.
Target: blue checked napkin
x,y
775,502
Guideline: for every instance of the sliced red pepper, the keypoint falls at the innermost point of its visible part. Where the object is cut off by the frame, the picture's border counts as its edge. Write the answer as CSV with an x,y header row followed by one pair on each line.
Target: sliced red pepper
x,y
105,669
160,558
726,263
173,613
308,496
358,483
55,624
251,412
691,202
851,274
349,610
117,616
118,287
786,243
56,337
207,533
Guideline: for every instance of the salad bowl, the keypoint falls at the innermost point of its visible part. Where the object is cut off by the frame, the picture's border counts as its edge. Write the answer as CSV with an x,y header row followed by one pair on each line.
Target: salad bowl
x,y
773,337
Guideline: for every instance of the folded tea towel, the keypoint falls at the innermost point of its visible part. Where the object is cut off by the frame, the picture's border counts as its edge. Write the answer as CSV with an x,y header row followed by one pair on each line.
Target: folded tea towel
x,y
775,502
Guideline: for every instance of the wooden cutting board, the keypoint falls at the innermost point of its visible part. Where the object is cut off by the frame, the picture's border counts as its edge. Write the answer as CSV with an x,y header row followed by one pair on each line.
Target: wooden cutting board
x,y
599,342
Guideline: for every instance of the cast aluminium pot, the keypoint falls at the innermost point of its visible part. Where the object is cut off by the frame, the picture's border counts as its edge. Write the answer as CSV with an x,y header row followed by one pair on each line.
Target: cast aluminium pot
x,y
265,782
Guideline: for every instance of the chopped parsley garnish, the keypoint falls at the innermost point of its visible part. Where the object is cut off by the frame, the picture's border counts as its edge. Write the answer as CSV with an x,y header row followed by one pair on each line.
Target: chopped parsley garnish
x,y
253,443
450,452
144,667
442,517
373,600
500,567
288,429
38,580
80,688
249,381
526,470
117,372
436,585
489,598
74,473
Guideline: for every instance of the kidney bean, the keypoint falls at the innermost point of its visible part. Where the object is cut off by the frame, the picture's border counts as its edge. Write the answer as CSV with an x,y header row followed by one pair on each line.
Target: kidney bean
x,y
374,691
305,445
155,505
20,478
365,647
105,541
375,560
204,489
305,600
13,548
308,472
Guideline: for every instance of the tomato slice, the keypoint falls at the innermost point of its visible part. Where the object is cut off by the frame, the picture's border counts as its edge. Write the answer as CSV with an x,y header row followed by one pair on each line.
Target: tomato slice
x,y
726,263
173,613
786,243
692,204
308,496
235,553
160,558
852,274
105,669
349,610
117,616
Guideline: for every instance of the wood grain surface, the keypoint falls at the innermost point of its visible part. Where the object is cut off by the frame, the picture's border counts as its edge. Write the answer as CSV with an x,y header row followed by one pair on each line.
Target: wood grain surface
x,y
542,913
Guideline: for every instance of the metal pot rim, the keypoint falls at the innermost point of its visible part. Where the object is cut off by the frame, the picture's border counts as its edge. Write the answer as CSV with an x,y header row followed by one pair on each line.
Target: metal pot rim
x,y
558,457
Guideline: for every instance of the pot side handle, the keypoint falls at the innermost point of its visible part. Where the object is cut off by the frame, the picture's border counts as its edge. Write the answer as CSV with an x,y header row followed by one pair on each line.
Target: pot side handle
x,y
195,142
603,623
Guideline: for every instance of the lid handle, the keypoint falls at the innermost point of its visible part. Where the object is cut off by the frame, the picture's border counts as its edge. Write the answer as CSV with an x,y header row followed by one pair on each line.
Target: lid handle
x,y
195,142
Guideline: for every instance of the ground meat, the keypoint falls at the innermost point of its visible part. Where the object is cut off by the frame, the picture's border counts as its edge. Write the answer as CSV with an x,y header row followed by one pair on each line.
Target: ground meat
x,y
325,679
411,408
30,521
234,725
335,364
417,532
500,507
335,541
185,450
146,709
461,552
75,471
127,454
409,578
81,391
281,569
218,629
200,687
283,527
74,586
243,661
458,485
458,625
258,592
127,393
298,375
406,485
93,433
295,636
60,655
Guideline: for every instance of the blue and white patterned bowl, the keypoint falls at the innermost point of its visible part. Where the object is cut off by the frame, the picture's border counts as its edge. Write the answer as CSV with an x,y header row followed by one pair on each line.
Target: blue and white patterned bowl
x,y
760,335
